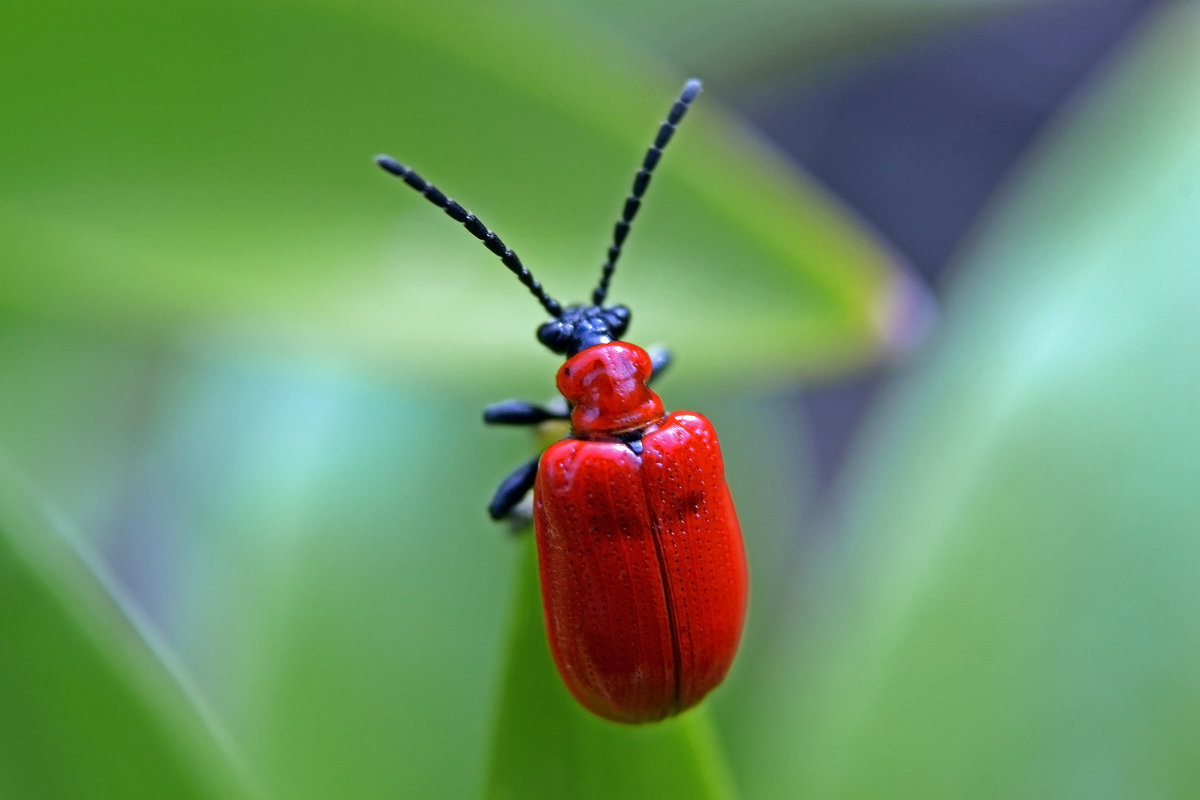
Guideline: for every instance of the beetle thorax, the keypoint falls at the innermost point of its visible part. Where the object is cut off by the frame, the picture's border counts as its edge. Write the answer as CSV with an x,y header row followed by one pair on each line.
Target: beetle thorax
x,y
606,386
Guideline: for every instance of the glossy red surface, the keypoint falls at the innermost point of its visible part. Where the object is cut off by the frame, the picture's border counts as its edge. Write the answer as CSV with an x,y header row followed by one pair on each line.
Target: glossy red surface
x,y
607,386
643,571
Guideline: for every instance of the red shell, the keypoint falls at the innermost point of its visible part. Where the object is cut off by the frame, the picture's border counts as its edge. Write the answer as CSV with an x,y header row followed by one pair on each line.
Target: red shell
x,y
606,385
642,566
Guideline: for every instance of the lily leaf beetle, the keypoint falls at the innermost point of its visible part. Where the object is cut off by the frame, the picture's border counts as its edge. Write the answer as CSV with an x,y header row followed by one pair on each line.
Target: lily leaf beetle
x,y
640,554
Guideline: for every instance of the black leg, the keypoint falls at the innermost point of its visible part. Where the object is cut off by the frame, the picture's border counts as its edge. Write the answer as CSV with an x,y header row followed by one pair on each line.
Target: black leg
x,y
660,359
512,489
519,412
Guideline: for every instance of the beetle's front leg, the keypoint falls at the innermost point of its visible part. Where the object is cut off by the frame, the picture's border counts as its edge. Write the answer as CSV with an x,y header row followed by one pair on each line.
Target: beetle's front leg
x,y
512,489
519,412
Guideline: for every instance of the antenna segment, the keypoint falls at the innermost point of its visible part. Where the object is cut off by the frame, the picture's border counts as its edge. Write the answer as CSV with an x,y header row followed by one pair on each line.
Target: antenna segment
x,y
640,182
476,228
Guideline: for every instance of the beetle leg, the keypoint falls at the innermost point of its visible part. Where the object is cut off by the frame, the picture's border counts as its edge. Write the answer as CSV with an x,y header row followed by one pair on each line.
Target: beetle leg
x,y
512,489
660,359
519,412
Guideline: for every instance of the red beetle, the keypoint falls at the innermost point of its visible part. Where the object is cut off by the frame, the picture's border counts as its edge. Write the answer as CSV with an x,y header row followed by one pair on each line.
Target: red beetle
x,y
639,549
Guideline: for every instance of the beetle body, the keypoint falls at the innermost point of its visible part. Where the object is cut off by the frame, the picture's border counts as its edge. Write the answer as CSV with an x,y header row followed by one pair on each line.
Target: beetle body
x,y
640,554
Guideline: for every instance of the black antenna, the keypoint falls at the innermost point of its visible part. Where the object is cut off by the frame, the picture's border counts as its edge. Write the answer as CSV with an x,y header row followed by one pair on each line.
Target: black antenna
x,y
477,229
640,182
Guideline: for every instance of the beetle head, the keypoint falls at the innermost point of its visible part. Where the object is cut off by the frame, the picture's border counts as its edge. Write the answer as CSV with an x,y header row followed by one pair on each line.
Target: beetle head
x,y
581,327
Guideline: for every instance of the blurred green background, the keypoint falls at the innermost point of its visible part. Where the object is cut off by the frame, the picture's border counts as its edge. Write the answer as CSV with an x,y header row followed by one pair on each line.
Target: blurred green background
x,y
242,475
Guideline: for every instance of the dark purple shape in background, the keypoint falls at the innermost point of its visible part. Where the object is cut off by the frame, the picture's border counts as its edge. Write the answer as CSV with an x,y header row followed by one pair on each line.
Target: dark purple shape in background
x,y
918,142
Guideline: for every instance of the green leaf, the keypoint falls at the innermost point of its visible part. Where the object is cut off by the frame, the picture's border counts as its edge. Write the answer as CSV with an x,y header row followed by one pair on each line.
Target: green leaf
x,y
1015,612
87,709
546,745
216,179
